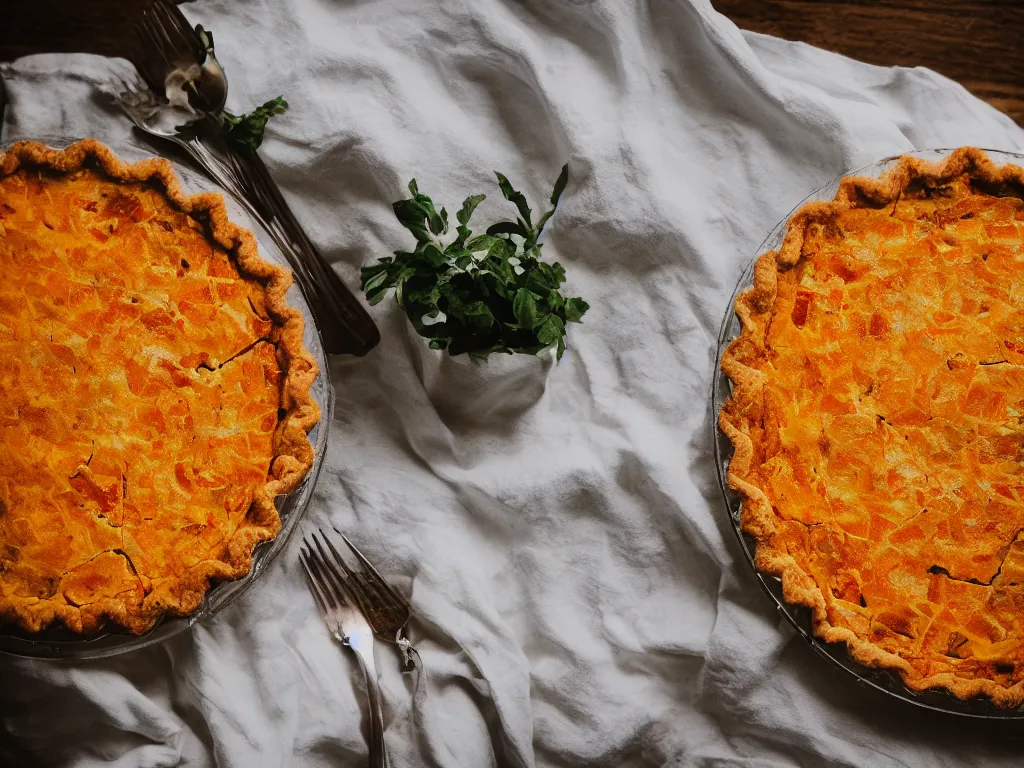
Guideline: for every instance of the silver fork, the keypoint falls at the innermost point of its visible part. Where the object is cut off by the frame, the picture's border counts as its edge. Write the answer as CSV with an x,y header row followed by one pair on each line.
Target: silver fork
x,y
194,78
344,325
383,606
186,130
348,626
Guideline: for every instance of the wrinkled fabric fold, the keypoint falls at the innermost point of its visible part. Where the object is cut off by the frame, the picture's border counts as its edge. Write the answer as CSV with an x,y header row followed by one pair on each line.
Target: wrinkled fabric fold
x,y
583,599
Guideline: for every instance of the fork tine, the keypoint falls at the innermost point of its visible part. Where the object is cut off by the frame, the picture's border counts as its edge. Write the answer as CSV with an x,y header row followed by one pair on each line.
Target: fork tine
x,y
159,46
337,556
322,581
356,586
320,602
154,32
167,36
160,29
335,597
334,577
373,574
176,28
149,42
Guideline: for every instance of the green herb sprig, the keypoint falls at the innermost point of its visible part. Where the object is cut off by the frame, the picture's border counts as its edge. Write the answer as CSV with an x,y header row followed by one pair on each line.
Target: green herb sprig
x,y
245,132
477,294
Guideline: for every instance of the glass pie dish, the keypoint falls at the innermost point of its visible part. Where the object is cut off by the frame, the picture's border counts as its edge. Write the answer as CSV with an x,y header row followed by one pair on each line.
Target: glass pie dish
x,y
57,642
881,679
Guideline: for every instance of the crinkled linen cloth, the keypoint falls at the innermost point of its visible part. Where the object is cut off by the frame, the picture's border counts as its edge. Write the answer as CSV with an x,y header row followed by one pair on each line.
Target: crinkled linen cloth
x,y
583,599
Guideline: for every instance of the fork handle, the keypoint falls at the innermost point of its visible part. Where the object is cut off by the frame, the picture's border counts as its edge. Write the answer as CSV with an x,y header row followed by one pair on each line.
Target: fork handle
x,y
310,281
348,313
346,328
363,649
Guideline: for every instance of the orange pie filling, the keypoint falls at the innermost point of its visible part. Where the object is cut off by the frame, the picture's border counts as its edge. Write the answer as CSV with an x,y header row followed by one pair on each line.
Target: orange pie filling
x,y
878,419
153,391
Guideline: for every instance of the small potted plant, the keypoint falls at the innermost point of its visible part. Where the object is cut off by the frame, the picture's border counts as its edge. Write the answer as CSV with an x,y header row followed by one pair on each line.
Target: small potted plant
x,y
472,296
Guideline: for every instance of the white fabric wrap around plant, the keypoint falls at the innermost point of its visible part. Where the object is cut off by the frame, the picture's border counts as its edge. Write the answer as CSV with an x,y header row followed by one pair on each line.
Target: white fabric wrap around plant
x,y
583,599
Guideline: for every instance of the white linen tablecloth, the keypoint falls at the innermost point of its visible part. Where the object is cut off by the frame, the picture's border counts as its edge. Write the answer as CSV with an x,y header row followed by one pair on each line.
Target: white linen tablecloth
x,y
583,599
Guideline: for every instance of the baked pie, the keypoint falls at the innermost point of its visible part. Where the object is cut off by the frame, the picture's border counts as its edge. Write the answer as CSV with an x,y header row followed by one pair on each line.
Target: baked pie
x,y
154,391
877,418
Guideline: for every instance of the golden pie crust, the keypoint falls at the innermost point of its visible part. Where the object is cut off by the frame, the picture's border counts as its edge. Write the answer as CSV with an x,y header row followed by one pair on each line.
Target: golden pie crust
x,y
154,391
877,417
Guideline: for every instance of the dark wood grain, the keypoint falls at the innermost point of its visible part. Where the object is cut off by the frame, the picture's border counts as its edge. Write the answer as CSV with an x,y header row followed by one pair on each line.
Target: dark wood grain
x,y
979,43
104,27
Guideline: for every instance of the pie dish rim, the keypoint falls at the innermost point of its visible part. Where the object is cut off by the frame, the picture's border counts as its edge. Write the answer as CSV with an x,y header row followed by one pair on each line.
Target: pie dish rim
x,y
976,697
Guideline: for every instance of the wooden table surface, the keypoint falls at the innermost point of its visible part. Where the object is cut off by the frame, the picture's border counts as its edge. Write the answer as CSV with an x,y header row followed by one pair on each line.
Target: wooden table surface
x,y
979,43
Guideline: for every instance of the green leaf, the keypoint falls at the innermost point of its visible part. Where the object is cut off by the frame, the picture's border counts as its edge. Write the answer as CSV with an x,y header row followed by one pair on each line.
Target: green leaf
x,y
412,215
563,179
405,260
434,255
425,293
245,132
374,296
478,295
419,208
483,243
375,281
378,279
468,206
382,266
435,221
497,288
551,330
515,196
575,309
508,228
500,249
539,279
524,307
497,263
478,315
